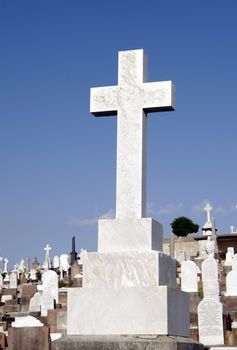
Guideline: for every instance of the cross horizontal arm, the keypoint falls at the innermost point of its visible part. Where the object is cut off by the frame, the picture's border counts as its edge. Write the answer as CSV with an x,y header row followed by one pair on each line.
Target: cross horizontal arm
x,y
103,101
159,96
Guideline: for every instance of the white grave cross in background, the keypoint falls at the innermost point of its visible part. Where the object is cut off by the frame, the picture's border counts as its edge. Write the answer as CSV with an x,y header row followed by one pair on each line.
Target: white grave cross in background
x,y
130,100
208,209
47,263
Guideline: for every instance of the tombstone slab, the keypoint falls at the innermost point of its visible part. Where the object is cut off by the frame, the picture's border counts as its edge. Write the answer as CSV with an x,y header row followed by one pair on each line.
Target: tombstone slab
x,y
189,277
35,303
210,322
13,280
50,283
231,283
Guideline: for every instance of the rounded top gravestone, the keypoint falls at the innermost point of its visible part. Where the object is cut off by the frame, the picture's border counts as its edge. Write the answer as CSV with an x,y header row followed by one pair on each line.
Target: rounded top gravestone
x,y
50,283
189,276
209,269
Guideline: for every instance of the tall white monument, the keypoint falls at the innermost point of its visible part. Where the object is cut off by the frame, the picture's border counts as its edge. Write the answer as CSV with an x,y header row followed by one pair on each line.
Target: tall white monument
x,y
207,228
129,285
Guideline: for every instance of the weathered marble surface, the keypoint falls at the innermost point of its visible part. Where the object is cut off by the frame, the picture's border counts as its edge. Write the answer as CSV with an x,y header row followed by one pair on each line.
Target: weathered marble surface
x,y
210,269
131,99
129,269
13,280
210,322
35,303
26,321
231,283
129,235
50,283
98,311
189,277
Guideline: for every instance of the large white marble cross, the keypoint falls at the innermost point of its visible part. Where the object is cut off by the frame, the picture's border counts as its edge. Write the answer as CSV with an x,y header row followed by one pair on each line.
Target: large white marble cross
x,y
130,100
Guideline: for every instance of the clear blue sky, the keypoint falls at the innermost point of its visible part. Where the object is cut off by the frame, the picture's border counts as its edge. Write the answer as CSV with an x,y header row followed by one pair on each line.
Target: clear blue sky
x,y
58,162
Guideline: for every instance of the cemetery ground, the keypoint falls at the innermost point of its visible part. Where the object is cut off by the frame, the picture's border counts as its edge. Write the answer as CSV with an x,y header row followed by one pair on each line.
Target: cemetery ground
x,y
31,318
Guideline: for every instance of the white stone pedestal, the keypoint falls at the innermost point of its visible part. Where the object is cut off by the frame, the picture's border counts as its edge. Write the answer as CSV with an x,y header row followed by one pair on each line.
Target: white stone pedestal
x,y
128,269
154,310
121,235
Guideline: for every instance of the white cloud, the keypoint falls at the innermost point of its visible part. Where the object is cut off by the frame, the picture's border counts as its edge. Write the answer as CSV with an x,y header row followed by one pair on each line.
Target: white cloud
x,y
220,210
170,208
92,221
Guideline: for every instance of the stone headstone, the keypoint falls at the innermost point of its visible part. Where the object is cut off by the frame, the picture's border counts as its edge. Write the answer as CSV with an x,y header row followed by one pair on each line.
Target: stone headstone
x,y
1,281
50,283
6,279
234,263
6,297
181,257
64,263
49,291
47,302
210,273
231,283
210,309
189,277
13,280
210,269
56,262
33,275
35,303
229,256
210,322
62,320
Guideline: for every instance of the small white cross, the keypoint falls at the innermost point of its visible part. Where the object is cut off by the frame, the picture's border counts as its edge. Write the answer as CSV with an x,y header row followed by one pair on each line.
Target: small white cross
x,y
47,249
208,209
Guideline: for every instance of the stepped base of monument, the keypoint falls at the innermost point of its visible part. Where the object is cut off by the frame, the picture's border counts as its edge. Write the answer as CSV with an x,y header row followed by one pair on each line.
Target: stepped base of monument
x,y
138,310
80,342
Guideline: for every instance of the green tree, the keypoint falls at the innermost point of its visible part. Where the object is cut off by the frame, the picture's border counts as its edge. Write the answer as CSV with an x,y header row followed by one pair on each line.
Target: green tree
x,y
182,226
